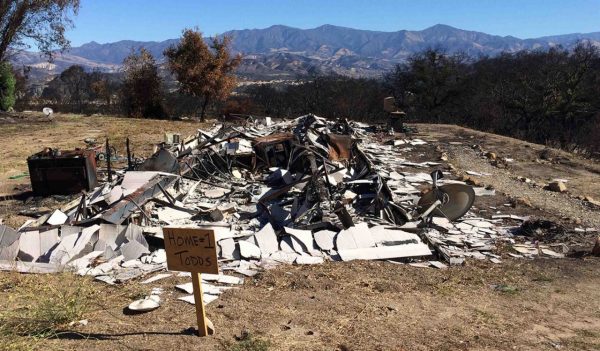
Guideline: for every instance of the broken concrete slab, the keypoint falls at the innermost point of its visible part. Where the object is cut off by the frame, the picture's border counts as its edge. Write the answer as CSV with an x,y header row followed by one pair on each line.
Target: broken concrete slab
x,y
222,278
267,240
228,249
132,250
72,245
110,235
481,191
57,218
168,214
438,264
302,240
32,246
249,250
385,252
355,237
81,264
325,239
30,267
206,298
284,256
384,236
302,259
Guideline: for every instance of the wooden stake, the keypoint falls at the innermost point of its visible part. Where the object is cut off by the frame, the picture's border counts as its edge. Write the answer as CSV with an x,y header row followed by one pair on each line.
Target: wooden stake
x,y
199,302
129,165
108,169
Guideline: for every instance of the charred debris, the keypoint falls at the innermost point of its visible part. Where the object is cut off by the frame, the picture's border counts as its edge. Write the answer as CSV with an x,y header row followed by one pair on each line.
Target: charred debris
x,y
300,191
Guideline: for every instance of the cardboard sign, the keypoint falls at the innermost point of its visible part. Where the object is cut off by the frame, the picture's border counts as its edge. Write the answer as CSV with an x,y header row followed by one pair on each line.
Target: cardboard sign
x,y
191,250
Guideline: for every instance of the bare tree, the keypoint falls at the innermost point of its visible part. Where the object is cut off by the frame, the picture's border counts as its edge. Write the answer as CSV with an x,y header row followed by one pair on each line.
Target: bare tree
x,y
202,71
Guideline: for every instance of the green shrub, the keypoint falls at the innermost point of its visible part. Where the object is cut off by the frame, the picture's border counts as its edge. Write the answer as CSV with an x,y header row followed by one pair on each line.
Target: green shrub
x,y
247,342
7,86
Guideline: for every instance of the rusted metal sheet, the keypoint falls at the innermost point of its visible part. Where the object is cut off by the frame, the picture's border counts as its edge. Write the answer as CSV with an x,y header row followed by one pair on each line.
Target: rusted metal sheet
x,y
275,138
62,172
122,209
340,146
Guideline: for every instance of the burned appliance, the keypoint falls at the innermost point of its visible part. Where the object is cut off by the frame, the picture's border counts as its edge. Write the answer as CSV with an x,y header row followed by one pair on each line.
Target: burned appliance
x,y
58,172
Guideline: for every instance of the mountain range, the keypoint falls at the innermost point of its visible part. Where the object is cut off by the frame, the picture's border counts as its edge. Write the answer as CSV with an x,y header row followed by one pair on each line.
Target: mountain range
x,y
281,52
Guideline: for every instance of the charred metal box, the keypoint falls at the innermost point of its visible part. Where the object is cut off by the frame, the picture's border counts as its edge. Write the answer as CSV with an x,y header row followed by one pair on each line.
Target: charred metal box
x,y
54,172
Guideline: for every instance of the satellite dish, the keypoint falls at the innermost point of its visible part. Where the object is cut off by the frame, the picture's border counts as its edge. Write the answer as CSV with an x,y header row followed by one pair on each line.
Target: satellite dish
x,y
47,111
456,199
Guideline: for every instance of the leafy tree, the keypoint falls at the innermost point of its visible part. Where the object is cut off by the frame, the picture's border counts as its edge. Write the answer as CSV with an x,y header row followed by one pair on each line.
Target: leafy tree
x,y
76,84
142,92
430,83
330,96
70,88
545,96
21,76
103,86
41,21
203,72
7,86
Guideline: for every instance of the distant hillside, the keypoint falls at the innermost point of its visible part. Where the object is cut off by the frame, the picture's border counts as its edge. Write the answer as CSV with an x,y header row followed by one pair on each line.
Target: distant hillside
x,y
281,51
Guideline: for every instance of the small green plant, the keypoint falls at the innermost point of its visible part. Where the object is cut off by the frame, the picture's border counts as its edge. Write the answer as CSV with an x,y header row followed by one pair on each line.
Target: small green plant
x,y
247,342
507,289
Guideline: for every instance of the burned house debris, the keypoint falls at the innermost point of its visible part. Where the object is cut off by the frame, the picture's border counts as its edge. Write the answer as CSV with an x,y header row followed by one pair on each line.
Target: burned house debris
x,y
66,172
300,191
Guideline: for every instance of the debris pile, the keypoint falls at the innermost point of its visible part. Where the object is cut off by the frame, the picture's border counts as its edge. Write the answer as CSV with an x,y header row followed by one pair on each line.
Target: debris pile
x,y
300,191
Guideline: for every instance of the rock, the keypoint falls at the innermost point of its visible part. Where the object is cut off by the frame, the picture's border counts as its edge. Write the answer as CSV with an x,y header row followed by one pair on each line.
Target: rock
x,y
524,201
498,163
596,249
490,155
477,147
547,154
470,180
557,186
444,156
591,200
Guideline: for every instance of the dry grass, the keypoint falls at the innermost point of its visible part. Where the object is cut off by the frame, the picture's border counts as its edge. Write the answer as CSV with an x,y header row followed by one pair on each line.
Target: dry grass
x,y
30,135
24,138
34,307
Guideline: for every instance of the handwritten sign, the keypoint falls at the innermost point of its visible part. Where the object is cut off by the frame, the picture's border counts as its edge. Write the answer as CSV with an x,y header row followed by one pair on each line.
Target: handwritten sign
x,y
191,250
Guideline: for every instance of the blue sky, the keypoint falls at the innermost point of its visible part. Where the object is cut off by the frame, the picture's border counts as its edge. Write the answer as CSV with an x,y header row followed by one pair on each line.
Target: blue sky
x,y
112,20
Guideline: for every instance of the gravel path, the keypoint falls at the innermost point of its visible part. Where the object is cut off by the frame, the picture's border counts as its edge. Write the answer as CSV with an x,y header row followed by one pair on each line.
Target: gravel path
x,y
466,159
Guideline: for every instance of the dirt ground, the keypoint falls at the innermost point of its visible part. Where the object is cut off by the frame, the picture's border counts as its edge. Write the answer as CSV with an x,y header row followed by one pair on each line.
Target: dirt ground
x,y
541,304
22,137
548,305
581,176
